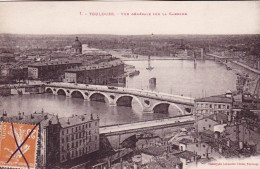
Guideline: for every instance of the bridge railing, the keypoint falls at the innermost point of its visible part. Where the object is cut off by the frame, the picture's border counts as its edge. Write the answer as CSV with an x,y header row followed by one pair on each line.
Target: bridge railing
x,y
145,93
145,124
153,120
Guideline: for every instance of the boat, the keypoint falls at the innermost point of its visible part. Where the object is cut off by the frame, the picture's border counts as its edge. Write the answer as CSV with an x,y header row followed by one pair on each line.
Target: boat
x,y
134,73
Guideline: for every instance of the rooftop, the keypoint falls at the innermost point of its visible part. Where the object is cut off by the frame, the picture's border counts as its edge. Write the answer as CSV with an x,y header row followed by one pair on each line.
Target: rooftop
x,y
96,66
76,119
215,99
188,155
46,118
185,141
39,64
155,151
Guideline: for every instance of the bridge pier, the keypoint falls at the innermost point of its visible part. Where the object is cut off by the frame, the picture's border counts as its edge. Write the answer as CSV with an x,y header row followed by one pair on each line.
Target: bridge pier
x,y
148,110
112,104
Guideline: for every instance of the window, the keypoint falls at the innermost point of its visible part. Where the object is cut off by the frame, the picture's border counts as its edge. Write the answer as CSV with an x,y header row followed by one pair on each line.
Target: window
x,y
209,125
72,130
95,123
62,140
210,106
62,132
203,145
204,128
89,125
219,106
227,106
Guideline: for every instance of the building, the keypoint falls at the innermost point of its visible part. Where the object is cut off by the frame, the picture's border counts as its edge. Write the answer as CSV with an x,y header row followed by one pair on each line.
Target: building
x,y
61,139
77,46
7,58
214,104
214,122
102,74
52,70
79,135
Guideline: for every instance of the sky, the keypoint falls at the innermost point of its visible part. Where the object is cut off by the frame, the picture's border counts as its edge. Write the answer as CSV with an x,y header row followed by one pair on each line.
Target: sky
x,y
234,17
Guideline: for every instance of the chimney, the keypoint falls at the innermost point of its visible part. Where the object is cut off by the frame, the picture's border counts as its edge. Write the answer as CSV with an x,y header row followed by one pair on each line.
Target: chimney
x,y
32,116
20,116
228,143
91,117
216,135
229,118
241,145
215,117
220,149
68,121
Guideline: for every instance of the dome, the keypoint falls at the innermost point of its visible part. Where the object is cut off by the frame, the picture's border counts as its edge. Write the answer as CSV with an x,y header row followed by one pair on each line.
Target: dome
x,y
77,43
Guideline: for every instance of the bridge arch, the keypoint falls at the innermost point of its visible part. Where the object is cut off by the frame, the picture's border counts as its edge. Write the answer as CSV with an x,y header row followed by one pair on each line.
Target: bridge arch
x,y
61,92
164,107
99,97
48,90
128,102
77,94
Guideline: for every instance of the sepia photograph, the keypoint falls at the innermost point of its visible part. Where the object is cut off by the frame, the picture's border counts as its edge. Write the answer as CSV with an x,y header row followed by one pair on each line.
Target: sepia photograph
x,y
130,85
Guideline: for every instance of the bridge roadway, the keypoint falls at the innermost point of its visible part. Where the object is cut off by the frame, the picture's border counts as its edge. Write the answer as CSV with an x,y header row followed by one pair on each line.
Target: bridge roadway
x,y
146,125
121,90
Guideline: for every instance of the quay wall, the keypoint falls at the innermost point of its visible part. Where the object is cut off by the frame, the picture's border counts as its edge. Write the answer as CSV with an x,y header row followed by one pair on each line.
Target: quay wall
x,y
7,90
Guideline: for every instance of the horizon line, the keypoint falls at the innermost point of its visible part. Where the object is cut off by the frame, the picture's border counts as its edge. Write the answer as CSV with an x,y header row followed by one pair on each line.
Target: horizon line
x,y
152,34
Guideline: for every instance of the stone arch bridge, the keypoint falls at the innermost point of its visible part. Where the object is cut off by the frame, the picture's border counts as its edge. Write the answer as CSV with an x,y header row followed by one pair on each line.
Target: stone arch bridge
x,y
118,96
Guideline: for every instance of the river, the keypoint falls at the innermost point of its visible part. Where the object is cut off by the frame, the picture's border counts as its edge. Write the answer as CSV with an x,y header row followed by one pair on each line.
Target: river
x,y
180,77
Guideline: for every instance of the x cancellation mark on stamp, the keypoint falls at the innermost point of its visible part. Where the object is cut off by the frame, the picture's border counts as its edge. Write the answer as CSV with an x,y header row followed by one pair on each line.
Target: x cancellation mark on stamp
x,y
16,137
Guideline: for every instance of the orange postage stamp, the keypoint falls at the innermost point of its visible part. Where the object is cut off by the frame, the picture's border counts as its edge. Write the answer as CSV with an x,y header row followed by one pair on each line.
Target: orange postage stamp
x,y
18,145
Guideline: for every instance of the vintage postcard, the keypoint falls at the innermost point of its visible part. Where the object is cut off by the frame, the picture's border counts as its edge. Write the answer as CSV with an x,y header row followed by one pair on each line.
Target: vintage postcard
x,y
130,85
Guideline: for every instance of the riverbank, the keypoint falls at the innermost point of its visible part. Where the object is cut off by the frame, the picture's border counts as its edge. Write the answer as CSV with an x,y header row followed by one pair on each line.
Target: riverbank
x,y
247,67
